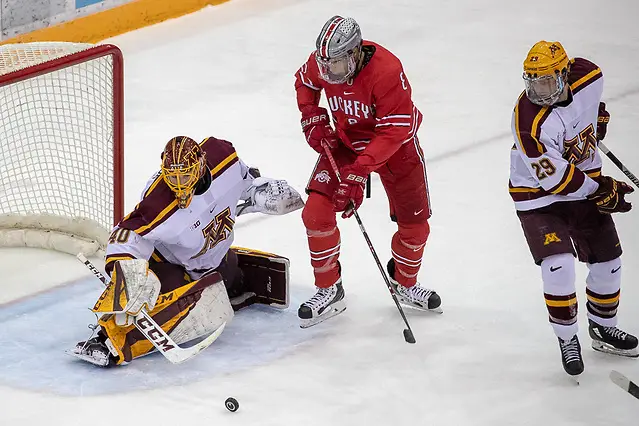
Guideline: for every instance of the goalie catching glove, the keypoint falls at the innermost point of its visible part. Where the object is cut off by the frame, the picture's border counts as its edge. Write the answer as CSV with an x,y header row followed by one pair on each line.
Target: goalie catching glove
x,y
270,196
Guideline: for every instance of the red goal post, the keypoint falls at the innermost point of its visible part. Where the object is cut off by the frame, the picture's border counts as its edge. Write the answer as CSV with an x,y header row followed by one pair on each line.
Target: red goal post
x,y
61,145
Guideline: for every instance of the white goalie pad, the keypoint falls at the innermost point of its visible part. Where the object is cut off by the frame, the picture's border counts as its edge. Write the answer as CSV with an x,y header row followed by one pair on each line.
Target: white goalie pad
x,y
271,196
210,312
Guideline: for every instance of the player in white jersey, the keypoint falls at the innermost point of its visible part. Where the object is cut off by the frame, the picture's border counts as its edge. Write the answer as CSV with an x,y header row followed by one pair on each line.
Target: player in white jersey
x,y
562,199
191,280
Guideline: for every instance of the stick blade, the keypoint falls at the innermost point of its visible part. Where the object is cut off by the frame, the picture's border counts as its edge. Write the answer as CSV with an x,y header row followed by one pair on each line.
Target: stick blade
x,y
408,336
620,380
624,383
179,355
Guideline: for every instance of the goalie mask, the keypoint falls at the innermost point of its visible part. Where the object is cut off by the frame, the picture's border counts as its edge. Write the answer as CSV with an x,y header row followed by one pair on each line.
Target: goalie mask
x,y
545,72
183,164
338,49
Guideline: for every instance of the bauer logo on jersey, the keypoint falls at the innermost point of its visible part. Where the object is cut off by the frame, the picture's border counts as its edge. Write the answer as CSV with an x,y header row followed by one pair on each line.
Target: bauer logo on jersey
x,y
323,177
217,231
551,238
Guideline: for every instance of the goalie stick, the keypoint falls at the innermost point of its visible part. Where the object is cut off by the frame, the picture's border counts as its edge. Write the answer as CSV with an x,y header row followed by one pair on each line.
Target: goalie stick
x,y
154,333
624,383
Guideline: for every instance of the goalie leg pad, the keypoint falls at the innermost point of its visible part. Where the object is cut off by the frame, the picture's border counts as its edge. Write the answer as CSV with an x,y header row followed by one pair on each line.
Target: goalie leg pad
x,y
264,274
187,312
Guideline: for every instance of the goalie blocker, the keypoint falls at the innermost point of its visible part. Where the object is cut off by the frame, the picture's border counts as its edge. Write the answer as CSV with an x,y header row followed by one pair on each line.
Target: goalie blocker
x,y
188,310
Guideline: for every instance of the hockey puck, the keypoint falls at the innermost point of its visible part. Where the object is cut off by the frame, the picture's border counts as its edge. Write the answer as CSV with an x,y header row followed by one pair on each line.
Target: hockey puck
x,y
232,404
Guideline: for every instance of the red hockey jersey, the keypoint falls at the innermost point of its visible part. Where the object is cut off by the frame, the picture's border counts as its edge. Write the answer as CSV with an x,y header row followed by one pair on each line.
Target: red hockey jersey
x,y
374,113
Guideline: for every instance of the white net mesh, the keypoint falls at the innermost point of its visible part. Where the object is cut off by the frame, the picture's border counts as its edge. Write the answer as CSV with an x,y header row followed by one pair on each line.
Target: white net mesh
x,y
56,136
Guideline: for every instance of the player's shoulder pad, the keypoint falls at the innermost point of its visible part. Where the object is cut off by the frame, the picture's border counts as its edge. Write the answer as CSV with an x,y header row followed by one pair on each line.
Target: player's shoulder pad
x,y
158,203
220,155
582,74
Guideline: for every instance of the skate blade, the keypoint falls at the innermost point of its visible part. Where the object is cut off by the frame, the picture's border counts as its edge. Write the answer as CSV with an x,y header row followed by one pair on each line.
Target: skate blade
x,y
87,358
406,302
336,309
611,350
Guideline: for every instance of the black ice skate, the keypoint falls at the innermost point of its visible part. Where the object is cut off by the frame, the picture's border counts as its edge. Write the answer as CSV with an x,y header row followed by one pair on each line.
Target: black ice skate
x,y
326,303
571,356
415,296
612,340
95,351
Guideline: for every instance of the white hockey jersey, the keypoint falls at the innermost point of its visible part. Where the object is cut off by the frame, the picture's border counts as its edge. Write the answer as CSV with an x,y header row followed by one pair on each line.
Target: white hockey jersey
x,y
197,237
555,153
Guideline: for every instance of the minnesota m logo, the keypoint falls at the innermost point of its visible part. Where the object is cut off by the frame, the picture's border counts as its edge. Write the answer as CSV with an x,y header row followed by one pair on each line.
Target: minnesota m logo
x,y
551,238
216,231
581,147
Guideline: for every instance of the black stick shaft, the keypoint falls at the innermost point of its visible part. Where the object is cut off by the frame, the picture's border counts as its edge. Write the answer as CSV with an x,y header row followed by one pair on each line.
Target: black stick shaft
x,y
618,163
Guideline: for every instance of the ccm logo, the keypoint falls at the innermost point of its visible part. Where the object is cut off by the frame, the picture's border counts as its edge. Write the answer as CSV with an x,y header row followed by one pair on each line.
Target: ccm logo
x,y
355,178
154,334
314,120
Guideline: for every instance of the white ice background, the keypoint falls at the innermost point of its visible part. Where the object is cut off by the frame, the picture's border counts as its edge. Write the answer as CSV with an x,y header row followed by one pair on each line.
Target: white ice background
x,y
491,359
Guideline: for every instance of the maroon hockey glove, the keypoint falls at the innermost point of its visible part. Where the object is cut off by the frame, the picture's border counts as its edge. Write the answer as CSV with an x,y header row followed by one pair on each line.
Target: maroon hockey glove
x,y
351,188
602,121
316,126
609,197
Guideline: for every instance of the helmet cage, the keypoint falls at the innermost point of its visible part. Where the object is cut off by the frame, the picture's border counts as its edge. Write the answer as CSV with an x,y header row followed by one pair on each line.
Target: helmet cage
x,y
182,178
339,69
546,89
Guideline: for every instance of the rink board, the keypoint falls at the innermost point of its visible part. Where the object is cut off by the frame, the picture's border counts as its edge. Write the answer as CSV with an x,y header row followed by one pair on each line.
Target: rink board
x,y
112,22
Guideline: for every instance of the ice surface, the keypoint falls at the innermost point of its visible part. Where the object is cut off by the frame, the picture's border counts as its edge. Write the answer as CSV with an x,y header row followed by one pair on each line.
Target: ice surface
x,y
491,359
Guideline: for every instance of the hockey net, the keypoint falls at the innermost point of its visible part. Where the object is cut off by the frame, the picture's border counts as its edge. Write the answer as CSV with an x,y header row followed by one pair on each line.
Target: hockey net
x,y
61,145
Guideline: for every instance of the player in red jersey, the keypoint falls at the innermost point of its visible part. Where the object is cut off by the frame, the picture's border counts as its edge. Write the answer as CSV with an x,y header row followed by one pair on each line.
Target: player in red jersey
x,y
376,126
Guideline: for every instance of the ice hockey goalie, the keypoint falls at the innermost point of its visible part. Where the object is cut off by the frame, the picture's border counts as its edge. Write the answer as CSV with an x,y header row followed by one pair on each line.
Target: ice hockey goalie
x,y
172,255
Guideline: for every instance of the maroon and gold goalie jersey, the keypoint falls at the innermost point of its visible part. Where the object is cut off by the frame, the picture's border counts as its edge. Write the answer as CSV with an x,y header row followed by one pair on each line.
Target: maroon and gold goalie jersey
x,y
555,153
197,237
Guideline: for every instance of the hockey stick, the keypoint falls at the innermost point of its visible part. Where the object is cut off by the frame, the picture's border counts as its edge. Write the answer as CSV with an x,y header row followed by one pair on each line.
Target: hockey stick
x,y
624,383
154,333
617,163
408,332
